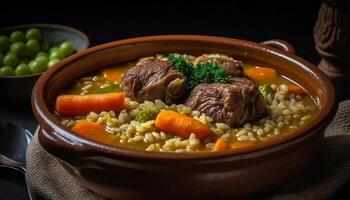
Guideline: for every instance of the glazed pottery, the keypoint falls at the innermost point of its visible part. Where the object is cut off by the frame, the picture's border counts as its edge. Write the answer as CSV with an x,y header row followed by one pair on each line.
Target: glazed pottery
x,y
120,173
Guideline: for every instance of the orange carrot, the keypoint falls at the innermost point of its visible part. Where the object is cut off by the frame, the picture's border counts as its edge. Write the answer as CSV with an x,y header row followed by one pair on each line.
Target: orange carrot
x,y
296,89
72,105
261,74
93,131
181,125
221,145
241,144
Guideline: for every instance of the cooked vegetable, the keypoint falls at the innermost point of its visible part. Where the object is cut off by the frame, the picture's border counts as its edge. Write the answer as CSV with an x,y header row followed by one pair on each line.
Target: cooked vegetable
x,y
181,125
72,105
93,131
206,72
266,88
221,145
145,115
296,89
261,74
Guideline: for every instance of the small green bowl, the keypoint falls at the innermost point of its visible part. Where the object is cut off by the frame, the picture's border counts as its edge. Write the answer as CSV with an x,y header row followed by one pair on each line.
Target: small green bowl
x,y
20,87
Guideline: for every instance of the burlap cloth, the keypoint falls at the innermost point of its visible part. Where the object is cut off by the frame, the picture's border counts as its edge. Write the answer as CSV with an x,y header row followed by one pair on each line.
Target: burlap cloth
x,y
321,180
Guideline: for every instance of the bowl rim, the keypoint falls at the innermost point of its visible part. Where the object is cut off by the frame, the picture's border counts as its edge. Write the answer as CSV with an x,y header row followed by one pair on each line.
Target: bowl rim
x,y
47,119
44,25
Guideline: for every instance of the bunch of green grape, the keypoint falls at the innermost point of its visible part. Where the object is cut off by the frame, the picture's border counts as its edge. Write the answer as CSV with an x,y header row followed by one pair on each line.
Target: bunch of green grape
x,y
28,53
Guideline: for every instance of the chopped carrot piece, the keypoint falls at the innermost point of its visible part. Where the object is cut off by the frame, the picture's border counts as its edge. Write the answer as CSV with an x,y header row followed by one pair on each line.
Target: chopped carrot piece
x,y
296,89
261,74
241,144
221,145
181,125
93,131
72,105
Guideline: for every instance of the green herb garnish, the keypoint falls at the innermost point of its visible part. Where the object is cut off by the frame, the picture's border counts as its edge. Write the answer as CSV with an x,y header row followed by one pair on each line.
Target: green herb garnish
x,y
207,72
109,89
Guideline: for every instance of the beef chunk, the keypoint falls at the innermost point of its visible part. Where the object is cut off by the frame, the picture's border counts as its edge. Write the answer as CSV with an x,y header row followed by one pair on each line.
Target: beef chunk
x,y
233,104
231,66
153,79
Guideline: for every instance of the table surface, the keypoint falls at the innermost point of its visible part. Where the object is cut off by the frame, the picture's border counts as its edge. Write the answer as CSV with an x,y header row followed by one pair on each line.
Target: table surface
x,y
256,21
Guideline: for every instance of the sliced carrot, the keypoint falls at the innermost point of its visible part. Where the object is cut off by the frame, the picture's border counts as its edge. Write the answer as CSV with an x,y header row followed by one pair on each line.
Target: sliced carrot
x,y
241,144
261,74
93,131
296,89
221,145
181,125
72,105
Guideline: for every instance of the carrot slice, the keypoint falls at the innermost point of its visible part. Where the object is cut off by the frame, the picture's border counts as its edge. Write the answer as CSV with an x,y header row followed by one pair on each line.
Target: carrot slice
x,y
181,125
72,105
296,89
93,131
241,144
261,74
221,145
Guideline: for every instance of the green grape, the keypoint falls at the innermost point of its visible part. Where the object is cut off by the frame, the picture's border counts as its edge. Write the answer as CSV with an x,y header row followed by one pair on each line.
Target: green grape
x,y
44,46
33,34
36,67
22,69
52,49
17,36
10,59
1,59
56,54
4,43
7,71
33,45
66,48
53,62
42,53
18,48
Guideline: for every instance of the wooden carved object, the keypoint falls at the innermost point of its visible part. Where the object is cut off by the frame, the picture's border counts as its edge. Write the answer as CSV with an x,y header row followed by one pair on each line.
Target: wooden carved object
x,y
332,39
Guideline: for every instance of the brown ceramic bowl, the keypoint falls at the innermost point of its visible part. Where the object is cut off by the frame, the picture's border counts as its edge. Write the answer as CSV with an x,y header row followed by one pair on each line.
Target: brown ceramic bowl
x,y
120,173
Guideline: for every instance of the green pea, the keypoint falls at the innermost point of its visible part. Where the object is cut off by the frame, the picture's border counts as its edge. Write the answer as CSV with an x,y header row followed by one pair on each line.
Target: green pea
x,y
42,53
42,60
52,49
7,71
33,45
4,43
66,48
17,36
53,62
56,54
33,34
10,60
144,116
18,48
36,67
22,69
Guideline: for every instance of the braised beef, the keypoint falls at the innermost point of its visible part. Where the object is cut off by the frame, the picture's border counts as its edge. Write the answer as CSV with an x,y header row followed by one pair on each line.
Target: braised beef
x,y
231,66
233,104
153,79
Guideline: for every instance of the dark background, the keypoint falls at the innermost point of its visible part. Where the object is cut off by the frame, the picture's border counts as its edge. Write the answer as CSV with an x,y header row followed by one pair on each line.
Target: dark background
x,y
105,21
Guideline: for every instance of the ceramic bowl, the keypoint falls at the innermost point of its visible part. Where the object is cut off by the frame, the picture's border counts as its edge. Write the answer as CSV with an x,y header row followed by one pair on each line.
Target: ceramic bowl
x,y
20,87
120,173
